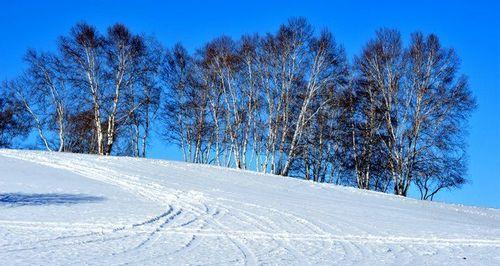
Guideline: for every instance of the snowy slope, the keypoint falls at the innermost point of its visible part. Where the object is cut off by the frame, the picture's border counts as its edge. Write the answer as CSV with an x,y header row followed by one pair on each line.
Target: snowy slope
x,y
80,209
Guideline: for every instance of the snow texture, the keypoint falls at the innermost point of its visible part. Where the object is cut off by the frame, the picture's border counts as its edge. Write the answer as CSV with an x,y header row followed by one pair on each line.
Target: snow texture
x,y
61,209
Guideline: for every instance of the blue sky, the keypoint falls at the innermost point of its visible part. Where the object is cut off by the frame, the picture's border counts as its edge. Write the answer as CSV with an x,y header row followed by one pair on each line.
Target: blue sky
x,y
471,27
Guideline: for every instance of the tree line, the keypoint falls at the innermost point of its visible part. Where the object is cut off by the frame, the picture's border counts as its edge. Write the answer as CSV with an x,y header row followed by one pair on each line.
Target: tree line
x,y
289,103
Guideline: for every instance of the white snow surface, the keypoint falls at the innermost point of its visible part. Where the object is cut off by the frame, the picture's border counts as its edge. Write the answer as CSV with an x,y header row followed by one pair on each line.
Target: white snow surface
x,y
60,209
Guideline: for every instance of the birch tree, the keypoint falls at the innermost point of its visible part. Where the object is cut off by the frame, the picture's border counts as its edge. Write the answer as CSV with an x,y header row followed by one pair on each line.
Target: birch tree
x,y
83,54
185,108
327,71
421,106
124,55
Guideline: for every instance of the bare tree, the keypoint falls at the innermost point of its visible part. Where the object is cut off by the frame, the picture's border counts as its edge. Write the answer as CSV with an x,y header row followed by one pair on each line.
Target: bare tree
x,y
327,71
440,103
107,68
14,123
144,100
379,71
185,106
45,90
420,103
124,54
83,54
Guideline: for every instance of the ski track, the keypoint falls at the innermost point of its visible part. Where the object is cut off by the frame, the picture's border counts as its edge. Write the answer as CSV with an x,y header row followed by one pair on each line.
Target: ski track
x,y
192,218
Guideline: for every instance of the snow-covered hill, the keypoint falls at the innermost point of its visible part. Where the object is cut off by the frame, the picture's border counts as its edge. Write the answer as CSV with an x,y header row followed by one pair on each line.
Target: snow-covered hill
x,y
60,208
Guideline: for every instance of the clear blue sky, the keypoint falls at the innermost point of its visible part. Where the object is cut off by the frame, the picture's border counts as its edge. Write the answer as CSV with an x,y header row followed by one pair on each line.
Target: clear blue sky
x,y
472,28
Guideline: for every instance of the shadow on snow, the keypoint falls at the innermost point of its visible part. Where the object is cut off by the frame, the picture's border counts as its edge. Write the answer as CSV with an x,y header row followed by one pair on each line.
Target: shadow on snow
x,y
22,199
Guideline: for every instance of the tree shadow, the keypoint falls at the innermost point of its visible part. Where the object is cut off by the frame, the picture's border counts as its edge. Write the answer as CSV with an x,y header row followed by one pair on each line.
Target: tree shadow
x,y
22,199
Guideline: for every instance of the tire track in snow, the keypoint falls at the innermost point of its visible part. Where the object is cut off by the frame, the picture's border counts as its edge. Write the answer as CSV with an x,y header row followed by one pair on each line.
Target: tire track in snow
x,y
265,225
158,230
257,235
149,191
